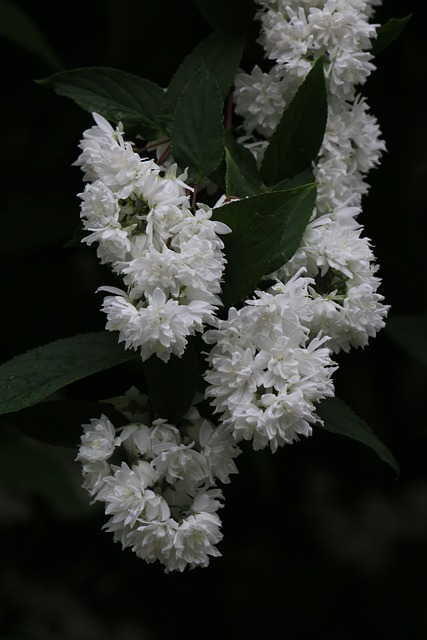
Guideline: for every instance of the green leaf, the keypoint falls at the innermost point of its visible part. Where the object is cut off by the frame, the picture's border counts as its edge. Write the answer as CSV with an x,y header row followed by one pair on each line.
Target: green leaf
x,y
59,422
29,465
242,178
305,177
299,212
220,52
388,32
197,134
339,418
260,226
17,26
234,15
410,333
298,137
218,176
32,376
114,94
172,384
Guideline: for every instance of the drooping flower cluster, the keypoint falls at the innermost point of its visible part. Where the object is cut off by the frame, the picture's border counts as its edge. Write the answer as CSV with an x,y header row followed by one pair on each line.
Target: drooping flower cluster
x,y
269,362
346,304
170,259
294,34
266,373
158,483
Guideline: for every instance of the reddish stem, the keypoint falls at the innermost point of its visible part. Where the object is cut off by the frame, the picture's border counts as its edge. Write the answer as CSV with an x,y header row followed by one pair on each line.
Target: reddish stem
x,y
229,111
165,154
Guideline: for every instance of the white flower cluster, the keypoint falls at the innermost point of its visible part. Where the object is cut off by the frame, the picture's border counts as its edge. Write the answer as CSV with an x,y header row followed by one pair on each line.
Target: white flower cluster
x,y
266,373
158,483
294,34
346,304
170,259
270,360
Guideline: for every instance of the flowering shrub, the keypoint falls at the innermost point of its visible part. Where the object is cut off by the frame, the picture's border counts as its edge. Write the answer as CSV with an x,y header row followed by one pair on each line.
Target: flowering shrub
x,y
226,207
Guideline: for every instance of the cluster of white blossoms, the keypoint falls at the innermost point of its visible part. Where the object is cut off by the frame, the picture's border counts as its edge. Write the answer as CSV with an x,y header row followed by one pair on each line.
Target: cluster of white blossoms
x,y
169,258
158,483
266,372
269,361
340,261
294,34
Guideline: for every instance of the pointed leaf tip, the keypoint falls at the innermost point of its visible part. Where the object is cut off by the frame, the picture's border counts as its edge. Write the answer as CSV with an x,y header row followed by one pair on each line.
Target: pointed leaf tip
x,y
339,418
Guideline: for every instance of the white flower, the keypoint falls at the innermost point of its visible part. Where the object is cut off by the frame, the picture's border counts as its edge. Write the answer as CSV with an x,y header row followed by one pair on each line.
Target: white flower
x,y
100,206
107,157
285,33
135,438
114,244
329,244
181,462
195,541
94,143
206,502
370,8
127,497
155,269
261,99
153,541
353,316
201,225
219,449
94,474
338,23
163,433
170,259
346,70
162,191
98,441
161,327
351,147
295,34
141,440
162,501
265,374
365,135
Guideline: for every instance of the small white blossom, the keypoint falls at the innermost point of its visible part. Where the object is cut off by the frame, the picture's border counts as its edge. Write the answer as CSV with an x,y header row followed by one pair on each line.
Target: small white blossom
x,y
181,462
350,319
153,541
127,498
261,99
94,475
195,541
159,328
98,441
219,449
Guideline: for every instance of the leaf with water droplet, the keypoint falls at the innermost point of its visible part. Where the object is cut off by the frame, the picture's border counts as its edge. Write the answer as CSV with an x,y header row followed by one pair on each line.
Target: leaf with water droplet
x,y
32,376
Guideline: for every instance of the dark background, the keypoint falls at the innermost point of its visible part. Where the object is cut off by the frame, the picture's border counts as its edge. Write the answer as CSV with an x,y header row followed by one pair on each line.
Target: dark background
x,y
320,538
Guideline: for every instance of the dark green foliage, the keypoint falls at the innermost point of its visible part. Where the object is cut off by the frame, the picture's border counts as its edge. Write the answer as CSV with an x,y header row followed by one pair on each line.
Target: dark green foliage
x,y
117,95
220,52
388,32
339,418
264,228
32,376
197,131
172,384
242,177
299,134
